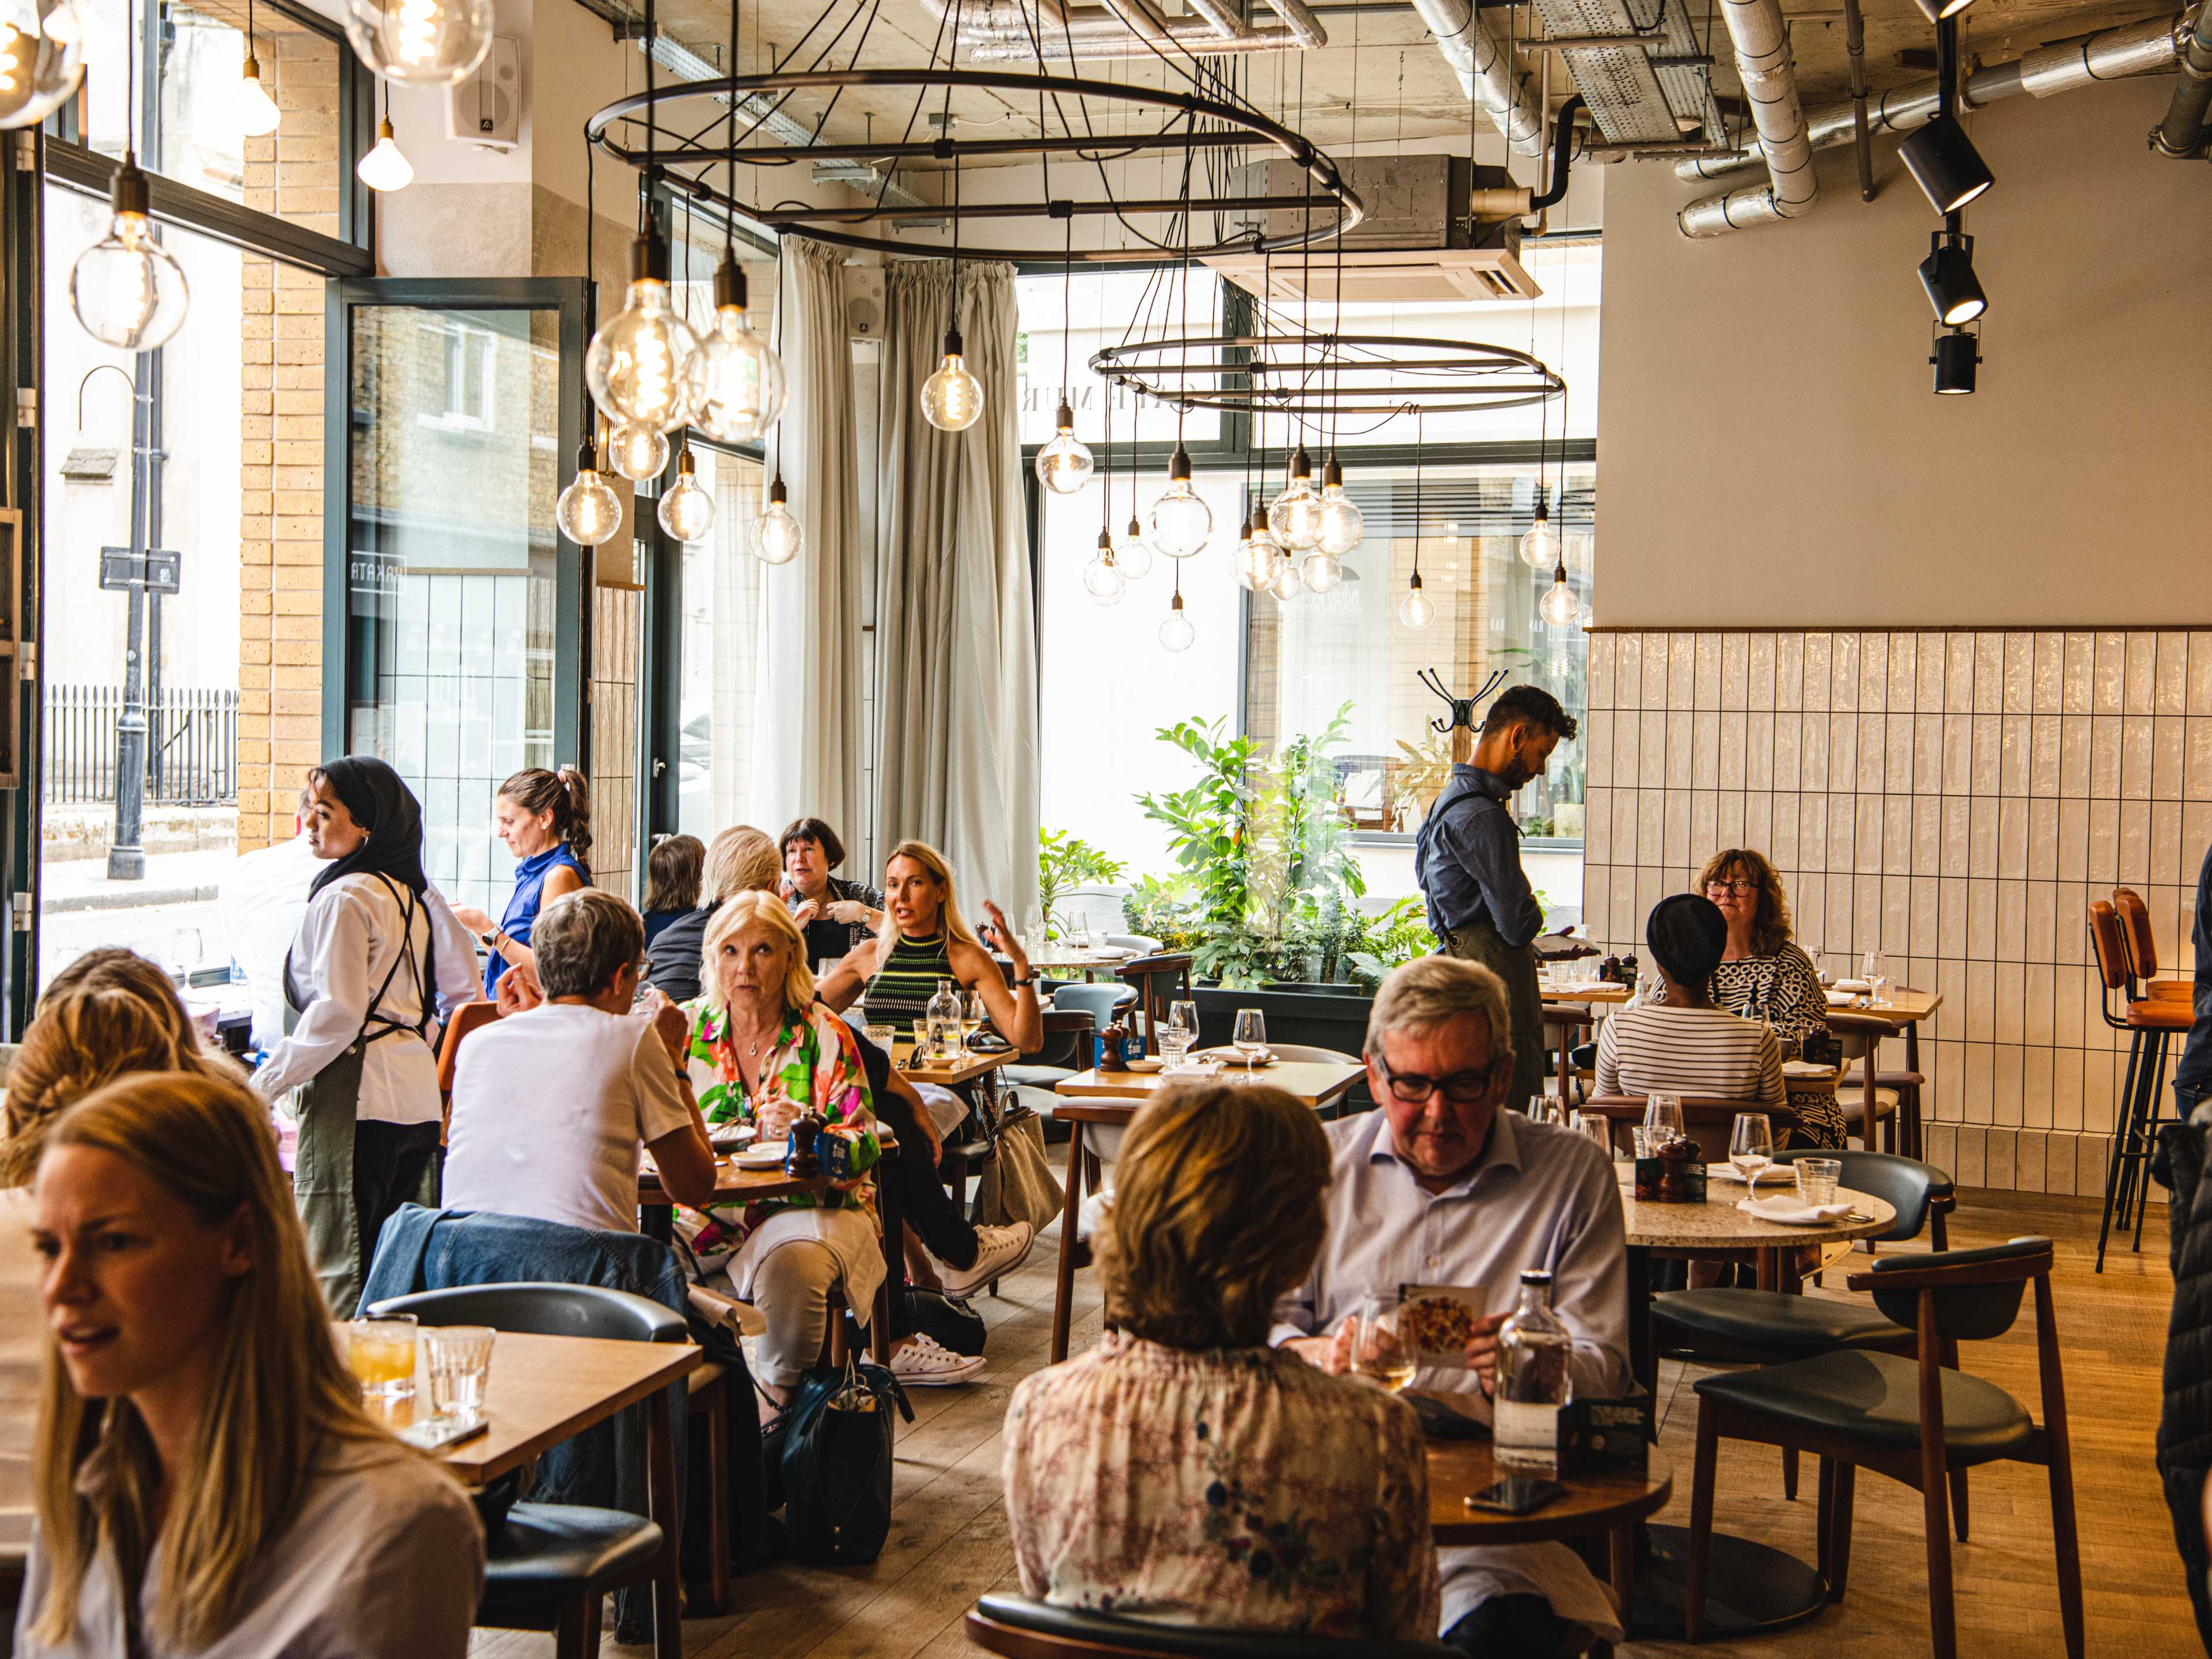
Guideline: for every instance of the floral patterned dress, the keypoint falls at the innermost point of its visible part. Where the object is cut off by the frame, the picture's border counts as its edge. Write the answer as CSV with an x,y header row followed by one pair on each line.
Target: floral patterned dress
x,y
1238,1488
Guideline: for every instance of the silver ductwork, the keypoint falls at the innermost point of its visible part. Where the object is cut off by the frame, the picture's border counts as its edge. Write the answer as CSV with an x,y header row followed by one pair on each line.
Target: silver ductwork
x,y
1003,32
2147,48
1484,71
2182,132
1761,41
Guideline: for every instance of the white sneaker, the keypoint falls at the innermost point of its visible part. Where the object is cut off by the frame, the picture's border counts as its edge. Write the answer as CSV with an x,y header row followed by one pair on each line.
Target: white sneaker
x,y
924,1363
998,1251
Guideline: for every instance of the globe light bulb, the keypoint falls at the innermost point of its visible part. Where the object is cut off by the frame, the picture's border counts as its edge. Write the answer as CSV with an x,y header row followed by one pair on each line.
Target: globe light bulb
x,y
687,511
734,382
1132,554
1321,570
1176,633
1414,610
41,59
256,111
1064,465
1539,547
420,42
1257,556
1102,578
777,537
1180,521
636,363
126,289
1340,523
637,452
385,168
588,511
952,398
1286,584
1559,606
1294,516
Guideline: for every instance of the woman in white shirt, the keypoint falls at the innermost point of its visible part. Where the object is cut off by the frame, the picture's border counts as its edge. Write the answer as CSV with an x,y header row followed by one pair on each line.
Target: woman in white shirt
x,y
205,1483
377,957
1684,1045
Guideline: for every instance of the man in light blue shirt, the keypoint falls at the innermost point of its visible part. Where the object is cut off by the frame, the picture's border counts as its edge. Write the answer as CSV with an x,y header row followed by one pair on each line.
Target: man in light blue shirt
x,y
1441,1187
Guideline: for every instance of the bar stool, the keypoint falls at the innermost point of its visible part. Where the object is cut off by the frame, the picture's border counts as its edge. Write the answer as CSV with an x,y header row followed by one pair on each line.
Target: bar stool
x,y
2150,1022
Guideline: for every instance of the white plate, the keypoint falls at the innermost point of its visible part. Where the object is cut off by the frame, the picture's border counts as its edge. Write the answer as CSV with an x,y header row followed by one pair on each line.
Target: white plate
x,y
1229,1056
760,1158
1145,1063
731,1137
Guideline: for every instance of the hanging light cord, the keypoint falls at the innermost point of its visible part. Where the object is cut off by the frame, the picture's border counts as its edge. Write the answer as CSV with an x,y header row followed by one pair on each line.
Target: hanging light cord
x,y
1420,437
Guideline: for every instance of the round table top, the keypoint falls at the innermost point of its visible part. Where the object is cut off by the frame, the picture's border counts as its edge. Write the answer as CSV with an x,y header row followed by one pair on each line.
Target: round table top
x,y
1718,1225
1595,1503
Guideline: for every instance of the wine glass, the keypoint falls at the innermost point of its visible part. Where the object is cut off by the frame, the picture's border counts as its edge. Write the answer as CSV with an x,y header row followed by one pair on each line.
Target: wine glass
x,y
971,1017
1751,1146
1179,1030
1594,1125
1250,1036
1875,972
1662,1115
1377,1356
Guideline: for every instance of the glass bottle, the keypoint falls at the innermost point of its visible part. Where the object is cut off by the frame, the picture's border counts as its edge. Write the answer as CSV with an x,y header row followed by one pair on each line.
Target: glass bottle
x,y
944,1017
1533,1379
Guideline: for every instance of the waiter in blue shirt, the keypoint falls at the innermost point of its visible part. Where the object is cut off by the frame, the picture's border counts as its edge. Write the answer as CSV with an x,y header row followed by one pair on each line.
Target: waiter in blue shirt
x,y
1467,860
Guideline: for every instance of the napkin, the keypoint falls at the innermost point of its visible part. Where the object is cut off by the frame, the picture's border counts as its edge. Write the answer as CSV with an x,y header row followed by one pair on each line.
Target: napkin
x,y
1773,1174
1779,1208
1856,986
1842,999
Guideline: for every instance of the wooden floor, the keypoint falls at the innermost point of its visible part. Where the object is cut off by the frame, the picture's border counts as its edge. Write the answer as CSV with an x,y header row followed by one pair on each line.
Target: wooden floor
x,y
948,1542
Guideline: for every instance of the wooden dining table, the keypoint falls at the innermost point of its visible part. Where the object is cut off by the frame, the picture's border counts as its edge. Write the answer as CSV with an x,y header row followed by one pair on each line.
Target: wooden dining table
x,y
1588,995
1899,1011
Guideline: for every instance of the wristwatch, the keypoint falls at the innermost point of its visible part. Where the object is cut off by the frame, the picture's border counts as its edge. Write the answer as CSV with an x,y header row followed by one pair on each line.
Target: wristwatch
x,y
491,939
1027,979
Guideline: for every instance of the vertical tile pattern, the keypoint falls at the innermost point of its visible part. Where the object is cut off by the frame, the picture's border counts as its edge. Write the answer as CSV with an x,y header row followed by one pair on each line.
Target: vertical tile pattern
x,y
1954,799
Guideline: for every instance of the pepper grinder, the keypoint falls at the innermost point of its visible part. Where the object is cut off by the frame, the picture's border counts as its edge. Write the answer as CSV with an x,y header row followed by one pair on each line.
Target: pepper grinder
x,y
802,1159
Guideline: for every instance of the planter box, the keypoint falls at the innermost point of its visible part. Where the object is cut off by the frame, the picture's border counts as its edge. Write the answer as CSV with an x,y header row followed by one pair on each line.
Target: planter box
x,y
1316,1016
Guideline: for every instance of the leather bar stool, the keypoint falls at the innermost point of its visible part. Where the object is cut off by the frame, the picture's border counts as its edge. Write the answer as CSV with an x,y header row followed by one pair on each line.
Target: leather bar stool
x,y
2151,1022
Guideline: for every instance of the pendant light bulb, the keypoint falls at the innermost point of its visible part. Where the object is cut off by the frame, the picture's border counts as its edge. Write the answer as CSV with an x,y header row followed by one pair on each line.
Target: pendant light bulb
x,y
1176,633
637,362
420,42
1257,556
385,168
1415,610
1340,522
1181,522
1064,465
1132,554
1102,578
638,453
1540,547
687,511
1294,516
588,511
1559,606
734,381
41,59
127,289
1321,571
952,398
1286,584
257,112
777,536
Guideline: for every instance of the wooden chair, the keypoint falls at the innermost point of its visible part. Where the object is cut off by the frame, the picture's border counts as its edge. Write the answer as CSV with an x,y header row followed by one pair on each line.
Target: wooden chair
x,y
469,1017
1157,980
2142,949
1877,1100
1018,1628
2151,1022
1706,1119
1845,1408
1565,1026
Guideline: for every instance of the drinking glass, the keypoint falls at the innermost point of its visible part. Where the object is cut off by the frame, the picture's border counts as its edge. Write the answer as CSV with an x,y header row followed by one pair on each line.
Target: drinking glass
x,y
920,1038
972,1017
1544,1108
1250,1036
884,1035
1643,1140
1184,1014
1875,972
458,1360
1818,1178
1751,1146
1377,1356
1662,1115
1596,1126
381,1352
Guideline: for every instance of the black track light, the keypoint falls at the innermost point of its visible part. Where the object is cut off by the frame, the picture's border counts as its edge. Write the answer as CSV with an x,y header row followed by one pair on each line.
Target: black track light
x,y
1948,274
1957,352
1945,164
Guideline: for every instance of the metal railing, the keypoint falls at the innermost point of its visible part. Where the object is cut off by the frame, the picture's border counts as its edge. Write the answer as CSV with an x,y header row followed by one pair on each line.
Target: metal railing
x,y
192,745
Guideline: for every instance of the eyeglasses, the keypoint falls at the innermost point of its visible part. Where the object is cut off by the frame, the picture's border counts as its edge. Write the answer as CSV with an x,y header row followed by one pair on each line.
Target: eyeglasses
x,y
1739,885
1460,1088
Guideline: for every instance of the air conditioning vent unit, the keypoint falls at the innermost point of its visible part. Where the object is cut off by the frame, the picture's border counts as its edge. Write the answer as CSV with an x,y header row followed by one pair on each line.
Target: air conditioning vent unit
x,y
1416,245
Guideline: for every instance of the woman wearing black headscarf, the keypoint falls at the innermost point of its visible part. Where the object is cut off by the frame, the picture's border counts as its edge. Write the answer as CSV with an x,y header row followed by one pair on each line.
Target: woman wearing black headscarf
x,y
1684,1044
379,955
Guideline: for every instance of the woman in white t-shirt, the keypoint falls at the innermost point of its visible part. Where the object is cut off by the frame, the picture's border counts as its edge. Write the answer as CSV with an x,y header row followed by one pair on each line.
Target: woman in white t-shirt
x,y
552,1106
1684,1045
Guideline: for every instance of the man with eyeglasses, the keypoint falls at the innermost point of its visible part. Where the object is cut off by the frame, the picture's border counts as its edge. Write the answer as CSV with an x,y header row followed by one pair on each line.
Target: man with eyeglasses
x,y
1466,860
1441,1187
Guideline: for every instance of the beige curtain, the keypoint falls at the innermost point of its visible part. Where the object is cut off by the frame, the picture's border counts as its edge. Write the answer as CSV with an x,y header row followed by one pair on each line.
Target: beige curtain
x,y
955,628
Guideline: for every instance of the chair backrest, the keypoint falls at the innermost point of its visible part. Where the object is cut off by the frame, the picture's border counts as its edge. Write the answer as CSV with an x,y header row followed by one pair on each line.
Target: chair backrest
x,y
2135,932
1063,1029
1157,980
1976,1292
1099,1001
1143,944
1022,1629
467,1017
1905,1184
1706,1119
552,1309
2107,944
1307,1051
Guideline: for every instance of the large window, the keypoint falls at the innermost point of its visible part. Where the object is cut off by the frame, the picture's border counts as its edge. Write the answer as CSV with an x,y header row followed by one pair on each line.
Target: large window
x,y
717,650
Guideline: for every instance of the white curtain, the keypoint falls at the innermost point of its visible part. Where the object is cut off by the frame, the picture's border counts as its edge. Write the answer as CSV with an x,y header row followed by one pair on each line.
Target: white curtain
x,y
955,616
807,701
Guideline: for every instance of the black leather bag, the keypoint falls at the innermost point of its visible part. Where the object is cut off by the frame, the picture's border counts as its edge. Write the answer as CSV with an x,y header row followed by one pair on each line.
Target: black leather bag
x,y
837,1464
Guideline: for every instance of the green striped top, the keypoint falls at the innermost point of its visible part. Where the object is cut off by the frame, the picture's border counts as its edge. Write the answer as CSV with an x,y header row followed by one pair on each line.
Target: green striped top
x,y
903,987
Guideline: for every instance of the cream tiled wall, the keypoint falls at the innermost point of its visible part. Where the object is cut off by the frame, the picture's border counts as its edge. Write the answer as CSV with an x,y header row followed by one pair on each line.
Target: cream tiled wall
x,y
1955,798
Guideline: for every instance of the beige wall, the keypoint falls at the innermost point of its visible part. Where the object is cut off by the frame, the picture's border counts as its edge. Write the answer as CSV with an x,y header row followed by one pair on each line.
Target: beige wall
x,y
1771,452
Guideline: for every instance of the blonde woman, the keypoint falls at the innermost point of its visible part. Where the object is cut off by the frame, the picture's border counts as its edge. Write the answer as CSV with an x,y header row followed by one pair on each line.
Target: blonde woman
x,y
741,859
108,1013
204,1479
926,940
1183,1470
761,1051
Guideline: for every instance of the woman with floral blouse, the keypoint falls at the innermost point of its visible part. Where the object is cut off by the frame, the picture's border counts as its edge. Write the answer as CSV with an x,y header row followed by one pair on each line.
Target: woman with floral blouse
x,y
1183,1471
763,1051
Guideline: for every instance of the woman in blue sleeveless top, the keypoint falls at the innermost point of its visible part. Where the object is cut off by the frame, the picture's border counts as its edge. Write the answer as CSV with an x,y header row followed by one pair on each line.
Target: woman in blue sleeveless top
x,y
545,819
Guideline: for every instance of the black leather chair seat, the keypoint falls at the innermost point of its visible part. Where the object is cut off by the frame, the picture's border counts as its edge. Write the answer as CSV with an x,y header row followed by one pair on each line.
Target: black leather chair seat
x,y
1769,1320
550,1549
1036,1077
1875,1399
1140,1636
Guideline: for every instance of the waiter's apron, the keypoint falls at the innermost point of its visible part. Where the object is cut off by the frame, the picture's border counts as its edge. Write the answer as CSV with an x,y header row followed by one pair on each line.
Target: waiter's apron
x,y
1515,964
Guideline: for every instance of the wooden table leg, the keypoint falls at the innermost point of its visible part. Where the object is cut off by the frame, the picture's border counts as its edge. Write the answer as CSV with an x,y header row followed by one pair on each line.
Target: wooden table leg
x,y
1621,1547
1909,1140
1643,1356
1064,1297
1770,1269
660,1470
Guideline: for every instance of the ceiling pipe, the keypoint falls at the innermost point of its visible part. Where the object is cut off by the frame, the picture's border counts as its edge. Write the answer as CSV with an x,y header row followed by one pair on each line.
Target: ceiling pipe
x,y
1485,72
1000,31
1227,21
1862,143
1116,42
1516,202
1761,42
2181,133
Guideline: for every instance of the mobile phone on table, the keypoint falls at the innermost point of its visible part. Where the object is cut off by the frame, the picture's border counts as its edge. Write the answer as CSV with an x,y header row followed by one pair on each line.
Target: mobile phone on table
x,y
435,1433
1516,1495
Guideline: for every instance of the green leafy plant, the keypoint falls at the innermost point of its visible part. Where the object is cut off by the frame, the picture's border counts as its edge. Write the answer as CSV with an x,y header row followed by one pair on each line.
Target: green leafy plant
x,y
1065,862
1393,938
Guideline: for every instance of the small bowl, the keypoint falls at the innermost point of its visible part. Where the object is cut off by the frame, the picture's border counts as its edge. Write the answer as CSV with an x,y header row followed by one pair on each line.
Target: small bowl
x,y
1145,1063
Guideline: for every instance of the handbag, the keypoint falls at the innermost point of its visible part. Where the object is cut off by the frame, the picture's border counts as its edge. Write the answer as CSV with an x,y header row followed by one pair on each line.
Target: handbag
x,y
837,1463
1018,1185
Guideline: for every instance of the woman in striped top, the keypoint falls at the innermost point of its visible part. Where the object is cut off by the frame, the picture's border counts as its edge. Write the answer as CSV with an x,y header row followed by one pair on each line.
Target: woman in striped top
x,y
1683,1044
926,940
